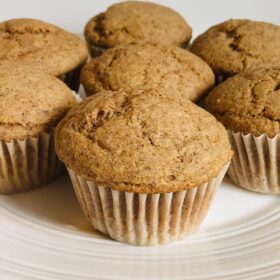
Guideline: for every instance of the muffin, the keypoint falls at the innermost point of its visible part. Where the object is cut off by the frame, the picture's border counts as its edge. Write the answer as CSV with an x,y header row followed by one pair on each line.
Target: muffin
x,y
248,106
135,21
144,166
144,65
236,46
31,104
44,47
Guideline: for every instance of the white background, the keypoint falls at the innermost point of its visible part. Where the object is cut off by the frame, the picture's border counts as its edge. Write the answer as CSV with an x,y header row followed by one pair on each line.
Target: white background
x,y
73,14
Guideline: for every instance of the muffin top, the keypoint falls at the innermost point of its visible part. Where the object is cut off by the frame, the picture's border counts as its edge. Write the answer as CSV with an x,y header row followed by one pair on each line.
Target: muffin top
x,y
148,66
30,101
248,102
142,142
235,46
40,45
134,21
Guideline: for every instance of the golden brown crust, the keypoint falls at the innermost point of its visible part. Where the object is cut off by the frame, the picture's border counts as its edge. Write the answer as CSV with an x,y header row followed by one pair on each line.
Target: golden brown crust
x,y
235,46
248,102
30,101
149,66
40,45
134,21
142,142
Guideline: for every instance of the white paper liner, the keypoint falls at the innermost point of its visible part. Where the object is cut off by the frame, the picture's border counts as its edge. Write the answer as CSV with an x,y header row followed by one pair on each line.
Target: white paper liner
x,y
29,163
77,96
144,219
95,50
255,165
220,79
72,78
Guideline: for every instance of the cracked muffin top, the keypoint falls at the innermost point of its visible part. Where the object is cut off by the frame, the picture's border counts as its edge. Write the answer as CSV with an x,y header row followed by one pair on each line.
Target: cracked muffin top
x,y
142,142
143,65
236,46
248,102
134,21
30,101
40,45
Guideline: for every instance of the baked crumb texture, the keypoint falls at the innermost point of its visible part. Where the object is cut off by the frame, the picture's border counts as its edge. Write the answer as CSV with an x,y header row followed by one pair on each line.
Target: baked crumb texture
x,y
170,68
31,102
248,102
236,46
142,142
41,45
135,21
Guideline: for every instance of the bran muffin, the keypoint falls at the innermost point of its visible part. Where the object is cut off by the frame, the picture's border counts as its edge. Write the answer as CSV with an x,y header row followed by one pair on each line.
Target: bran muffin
x,y
151,161
31,104
175,70
248,106
43,47
135,21
238,45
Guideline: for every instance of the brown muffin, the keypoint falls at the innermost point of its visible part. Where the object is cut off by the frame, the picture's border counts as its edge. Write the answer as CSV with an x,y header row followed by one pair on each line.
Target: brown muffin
x,y
43,47
236,46
177,71
144,166
31,104
142,143
248,106
133,21
248,102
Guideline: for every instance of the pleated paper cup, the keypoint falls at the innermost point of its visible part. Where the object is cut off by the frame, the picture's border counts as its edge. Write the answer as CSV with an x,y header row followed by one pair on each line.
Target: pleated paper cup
x,y
72,78
220,79
255,165
144,219
77,96
29,163
95,50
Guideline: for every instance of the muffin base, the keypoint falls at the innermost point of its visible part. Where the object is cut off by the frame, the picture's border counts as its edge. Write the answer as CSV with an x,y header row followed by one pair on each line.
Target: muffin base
x,y
72,78
255,165
220,79
29,163
95,50
144,219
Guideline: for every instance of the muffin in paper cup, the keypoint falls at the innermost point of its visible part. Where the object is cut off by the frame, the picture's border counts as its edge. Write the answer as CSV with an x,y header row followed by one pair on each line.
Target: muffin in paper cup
x,y
29,163
144,167
133,21
141,218
31,104
155,60
230,48
248,105
256,161
45,47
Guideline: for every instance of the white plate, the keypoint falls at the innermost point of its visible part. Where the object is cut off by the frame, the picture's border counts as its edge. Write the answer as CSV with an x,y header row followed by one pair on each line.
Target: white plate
x,y
44,235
